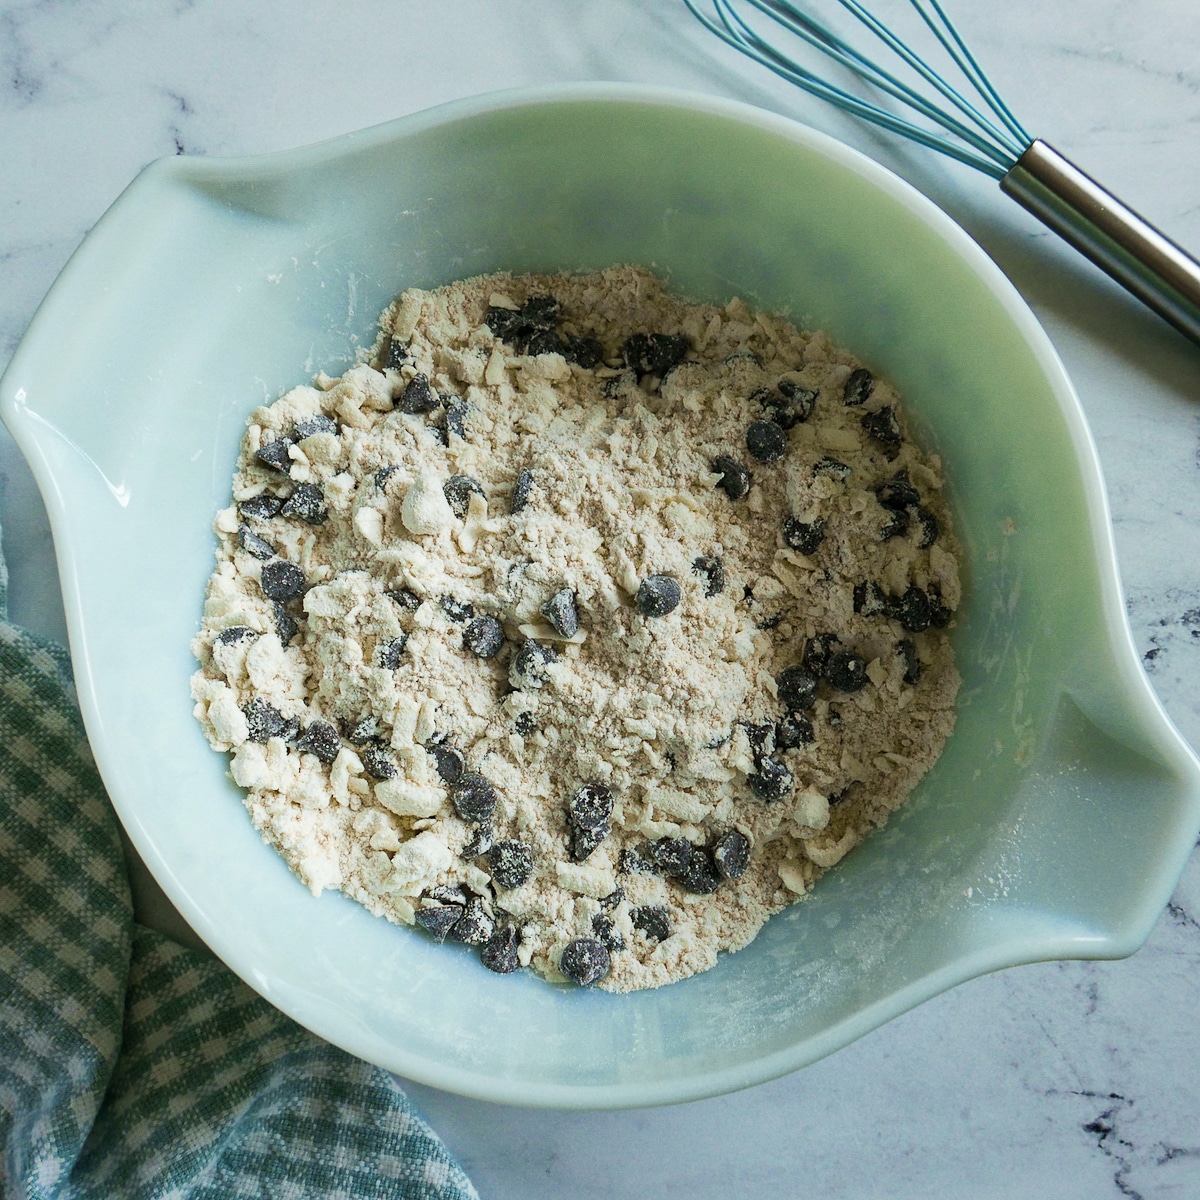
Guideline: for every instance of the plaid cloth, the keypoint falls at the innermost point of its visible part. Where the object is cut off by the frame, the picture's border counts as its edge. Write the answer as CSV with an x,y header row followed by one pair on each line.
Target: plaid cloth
x,y
131,1067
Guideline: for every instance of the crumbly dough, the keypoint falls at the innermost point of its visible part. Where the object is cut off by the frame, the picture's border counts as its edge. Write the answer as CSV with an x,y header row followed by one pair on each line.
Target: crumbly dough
x,y
674,714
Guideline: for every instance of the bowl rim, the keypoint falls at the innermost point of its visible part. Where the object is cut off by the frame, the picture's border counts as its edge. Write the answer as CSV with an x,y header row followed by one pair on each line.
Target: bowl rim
x,y
26,427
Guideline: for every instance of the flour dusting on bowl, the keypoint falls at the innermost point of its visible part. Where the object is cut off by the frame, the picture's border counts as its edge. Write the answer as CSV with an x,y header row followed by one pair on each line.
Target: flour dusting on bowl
x,y
581,623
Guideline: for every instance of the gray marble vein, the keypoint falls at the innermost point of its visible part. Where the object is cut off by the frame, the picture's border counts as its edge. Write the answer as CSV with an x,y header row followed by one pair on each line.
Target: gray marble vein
x,y
1078,1081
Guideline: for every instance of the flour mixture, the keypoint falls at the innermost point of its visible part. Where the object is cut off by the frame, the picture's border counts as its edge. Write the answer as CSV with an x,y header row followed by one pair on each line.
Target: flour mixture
x,y
581,624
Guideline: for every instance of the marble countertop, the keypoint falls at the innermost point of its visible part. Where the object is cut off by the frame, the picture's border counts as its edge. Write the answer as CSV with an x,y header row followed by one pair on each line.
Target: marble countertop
x,y
1072,1080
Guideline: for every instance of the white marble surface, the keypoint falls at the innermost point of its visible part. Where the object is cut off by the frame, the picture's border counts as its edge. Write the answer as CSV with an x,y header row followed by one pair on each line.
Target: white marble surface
x,y
1066,1080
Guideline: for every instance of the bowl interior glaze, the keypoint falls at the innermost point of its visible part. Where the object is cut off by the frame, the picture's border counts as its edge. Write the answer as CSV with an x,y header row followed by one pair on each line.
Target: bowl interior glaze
x,y
1064,807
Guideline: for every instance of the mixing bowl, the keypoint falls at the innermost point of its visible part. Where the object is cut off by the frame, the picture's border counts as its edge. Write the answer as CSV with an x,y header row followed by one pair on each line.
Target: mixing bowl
x,y
1054,825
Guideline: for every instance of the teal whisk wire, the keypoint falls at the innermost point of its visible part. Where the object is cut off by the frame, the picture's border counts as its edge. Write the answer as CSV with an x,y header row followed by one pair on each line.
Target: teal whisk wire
x,y
981,132
962,55
982,144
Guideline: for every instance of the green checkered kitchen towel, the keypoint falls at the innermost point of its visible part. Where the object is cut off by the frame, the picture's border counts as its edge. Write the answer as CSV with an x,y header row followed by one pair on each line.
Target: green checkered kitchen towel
x,y
131,1067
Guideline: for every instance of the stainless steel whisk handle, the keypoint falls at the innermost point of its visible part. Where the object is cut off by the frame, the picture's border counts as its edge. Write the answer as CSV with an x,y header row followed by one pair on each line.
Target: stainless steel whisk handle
x,y
1140,258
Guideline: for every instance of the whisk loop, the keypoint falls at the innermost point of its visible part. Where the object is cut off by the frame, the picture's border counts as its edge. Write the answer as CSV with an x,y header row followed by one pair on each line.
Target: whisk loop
x,y
980,131
991,144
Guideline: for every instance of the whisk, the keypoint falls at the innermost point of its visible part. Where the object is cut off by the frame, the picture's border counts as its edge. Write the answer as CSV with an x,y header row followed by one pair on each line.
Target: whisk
x,y
981,132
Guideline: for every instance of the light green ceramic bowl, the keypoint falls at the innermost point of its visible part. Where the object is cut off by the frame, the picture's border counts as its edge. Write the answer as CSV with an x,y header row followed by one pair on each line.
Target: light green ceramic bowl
x,y
1065,805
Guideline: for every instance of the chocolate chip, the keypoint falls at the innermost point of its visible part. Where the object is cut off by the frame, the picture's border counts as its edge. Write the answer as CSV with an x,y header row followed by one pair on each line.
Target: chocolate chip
x,y
540,312
772,781
528,669
735,479
544,341
731,854
484,636
418,396
253,544
929,528
869,599
378,762
586,351
397,354
912,610
438,919
285,623
456,416
363,730
445,894
511,863
235,633
584,841
311,426
897,492
474,927
261,508
591,806
858,387
846,672
403,598
499,952
618,387
701,876
263,720
473,796
613,898
803,536
588,814
896,524
794,730
797,689
482,840
390,652
766,441
631,862
907,650
456,610
561,612
605,929
307,503
832,468
585,961
282,580
654,920
760,736
883,426
817,650
712,571
504,322
658,595
275,454
668,855
458,490
939,615
449,762
654,353
519,326
525,723
320,738
384,475
521,491
795,405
